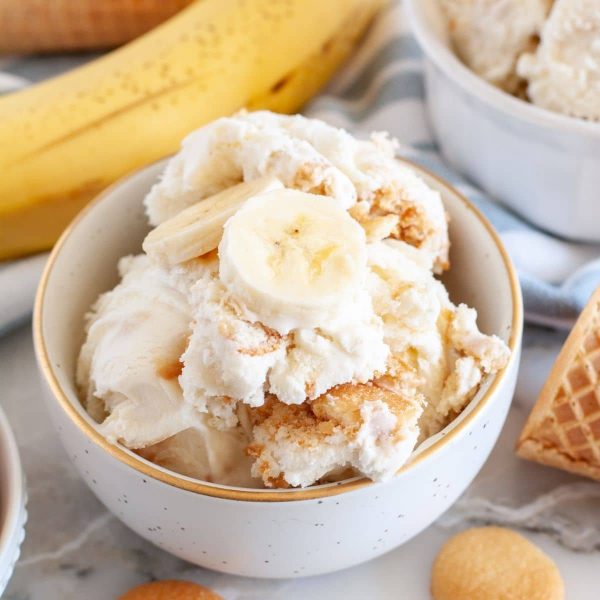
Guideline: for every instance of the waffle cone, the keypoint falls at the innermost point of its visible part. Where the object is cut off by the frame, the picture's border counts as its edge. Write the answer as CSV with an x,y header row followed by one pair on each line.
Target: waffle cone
x,y
563,429
28,26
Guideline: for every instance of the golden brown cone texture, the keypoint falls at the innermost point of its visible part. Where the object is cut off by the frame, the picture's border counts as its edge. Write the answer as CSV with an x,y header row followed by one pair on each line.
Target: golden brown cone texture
x,y
563,429
28,26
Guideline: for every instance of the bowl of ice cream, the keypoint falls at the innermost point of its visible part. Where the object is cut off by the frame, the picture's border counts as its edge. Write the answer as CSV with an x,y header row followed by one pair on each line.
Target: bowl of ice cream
x,y
513,95
259,357
12,502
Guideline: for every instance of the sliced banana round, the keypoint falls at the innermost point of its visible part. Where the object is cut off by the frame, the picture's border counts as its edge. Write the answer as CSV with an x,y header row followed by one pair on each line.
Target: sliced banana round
x,y
198,229
296,260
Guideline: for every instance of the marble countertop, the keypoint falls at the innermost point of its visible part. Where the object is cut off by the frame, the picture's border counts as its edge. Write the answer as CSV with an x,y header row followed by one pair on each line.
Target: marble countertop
x,y
75,549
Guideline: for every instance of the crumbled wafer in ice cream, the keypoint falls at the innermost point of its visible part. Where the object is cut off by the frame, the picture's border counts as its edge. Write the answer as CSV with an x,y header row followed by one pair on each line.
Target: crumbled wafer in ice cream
x,y
232,357
364,426
315,336
436,348
308,155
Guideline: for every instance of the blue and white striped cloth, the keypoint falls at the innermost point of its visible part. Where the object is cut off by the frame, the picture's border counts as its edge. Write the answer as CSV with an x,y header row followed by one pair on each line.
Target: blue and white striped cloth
x,y
381,88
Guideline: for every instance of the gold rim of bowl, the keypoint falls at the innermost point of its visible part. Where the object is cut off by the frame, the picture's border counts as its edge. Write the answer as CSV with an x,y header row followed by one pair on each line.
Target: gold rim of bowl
x,y
182,482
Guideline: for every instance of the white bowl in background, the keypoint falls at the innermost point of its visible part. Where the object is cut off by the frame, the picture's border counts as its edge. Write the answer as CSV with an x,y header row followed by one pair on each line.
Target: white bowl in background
x,y
12,503
267,533
543,165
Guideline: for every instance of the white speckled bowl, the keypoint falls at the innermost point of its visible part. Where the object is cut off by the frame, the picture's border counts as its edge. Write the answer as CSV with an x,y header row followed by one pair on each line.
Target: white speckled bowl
x,y
12,503
267,533
542,164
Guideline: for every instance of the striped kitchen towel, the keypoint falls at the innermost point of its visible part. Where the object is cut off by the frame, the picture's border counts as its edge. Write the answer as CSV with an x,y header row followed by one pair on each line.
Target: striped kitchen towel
x,y
381,88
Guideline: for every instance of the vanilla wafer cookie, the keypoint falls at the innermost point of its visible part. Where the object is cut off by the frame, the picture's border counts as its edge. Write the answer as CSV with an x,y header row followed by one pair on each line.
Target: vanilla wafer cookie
x,y
493,563
563,429
170,590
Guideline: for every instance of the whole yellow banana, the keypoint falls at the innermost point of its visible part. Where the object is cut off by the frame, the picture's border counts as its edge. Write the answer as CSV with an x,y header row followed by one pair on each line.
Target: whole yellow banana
x,y
64,140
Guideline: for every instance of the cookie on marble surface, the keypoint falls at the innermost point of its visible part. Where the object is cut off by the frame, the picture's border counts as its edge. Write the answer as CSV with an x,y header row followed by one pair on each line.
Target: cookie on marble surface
x,y
170,590
493,563
563,429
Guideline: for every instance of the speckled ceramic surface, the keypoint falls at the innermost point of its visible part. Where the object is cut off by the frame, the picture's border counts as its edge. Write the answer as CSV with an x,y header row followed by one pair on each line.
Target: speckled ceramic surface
x,y
13,513
267,533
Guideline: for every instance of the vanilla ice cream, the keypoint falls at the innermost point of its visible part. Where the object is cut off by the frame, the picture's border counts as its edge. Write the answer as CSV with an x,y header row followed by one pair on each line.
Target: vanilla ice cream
x,y
490,35
206,453
128,371
285,326
311,156
545,51
564,73
431,340
129,364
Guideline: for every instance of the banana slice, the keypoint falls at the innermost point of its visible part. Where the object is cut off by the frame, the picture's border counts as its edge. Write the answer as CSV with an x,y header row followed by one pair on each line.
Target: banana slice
x,y
198,229
295,259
